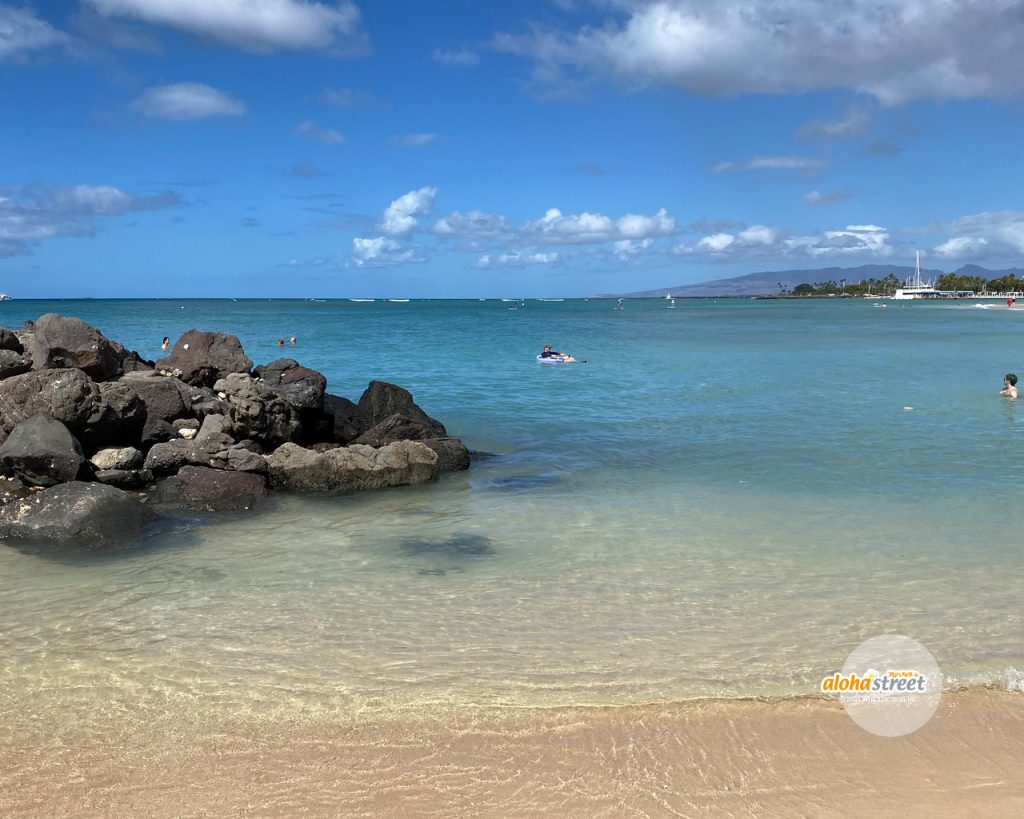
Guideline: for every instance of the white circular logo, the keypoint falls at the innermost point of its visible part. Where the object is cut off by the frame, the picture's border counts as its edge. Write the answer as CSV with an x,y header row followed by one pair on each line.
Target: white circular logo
x,y
889,685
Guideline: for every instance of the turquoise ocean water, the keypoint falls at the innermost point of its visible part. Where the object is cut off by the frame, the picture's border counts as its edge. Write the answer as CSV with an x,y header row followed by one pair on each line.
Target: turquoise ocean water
x,y
723,501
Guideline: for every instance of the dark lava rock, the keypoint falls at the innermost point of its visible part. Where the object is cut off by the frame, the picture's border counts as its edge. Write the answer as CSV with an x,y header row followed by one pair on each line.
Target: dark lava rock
x,y
200,489
70,396
165,398
42,452
300,386
11,489
452,454
9,341
12,363
381,400
254,411
396,428
344,421
75,514
118,417
203,358
125,478
167,458
59,342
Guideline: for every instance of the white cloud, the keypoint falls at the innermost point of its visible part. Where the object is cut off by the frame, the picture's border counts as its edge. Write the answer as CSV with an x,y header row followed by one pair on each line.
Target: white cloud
x,y
772,163
255,25
400,216
413,140
896,50
854,122
31,215
995,234
473,224
554,227
764,241
625,249
515,259
825,197
381,251
462,58
21,31
187,101
715,243
962,246
636,226
310,130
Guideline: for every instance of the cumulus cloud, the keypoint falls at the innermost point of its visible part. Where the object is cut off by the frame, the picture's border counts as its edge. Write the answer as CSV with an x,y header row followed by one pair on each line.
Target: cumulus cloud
x,y
825,197
636,226
764,241
310,130
399,217
381,251
772,163
991,234
626,249
461,58
413,140
31,215
261,26
472,225
188,101
896,50
21,32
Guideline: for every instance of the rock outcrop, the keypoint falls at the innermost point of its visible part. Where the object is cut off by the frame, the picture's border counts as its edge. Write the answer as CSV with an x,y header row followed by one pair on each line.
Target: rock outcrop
x,y
40,451
68,395
351,468
59,343
203,358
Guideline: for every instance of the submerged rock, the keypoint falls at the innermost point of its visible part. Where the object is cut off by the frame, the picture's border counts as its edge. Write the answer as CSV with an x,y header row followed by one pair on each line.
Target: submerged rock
x,y
462,545
42,452
452,454
76,514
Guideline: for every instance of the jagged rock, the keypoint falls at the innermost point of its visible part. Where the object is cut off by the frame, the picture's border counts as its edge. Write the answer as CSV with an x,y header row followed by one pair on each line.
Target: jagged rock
x,y
118,417
205,402
254,411
117,458
199,489
396,428
42,452
125,478
167,458
76,514
70,396
353,467
381,400
59,342
452,454
9,341
203,358
300,386
345,422
12,363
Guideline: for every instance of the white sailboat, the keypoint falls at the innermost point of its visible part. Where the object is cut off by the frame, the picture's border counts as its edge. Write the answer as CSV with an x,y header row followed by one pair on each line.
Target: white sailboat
x,y
916,287
672,303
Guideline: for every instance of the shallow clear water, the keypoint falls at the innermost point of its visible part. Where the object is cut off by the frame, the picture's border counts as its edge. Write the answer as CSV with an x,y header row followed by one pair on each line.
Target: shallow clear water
x,y
724,500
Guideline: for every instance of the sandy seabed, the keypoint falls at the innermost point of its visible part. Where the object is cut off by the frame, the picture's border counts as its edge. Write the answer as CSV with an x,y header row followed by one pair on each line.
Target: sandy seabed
x,y
793,757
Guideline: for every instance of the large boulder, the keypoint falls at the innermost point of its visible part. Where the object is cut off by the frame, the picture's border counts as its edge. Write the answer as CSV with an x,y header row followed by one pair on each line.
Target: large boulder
x,y
167,458
201,489
381,400
344,423
12,363
165,399
203,358
353,467
254,411
118,417
300,386
75,514
70,396
396,428
59,342
42,452
117,458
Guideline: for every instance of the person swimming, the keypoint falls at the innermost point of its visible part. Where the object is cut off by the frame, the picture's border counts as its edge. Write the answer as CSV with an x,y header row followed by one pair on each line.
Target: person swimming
x,y
165,343
280,342
293,341
549,353
1009,386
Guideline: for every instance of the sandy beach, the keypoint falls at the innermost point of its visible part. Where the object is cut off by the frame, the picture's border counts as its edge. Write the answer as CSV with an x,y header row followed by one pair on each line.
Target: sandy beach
x,y
796,757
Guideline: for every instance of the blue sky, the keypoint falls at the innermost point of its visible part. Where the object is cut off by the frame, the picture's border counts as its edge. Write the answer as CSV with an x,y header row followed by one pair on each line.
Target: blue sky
x,y
551,148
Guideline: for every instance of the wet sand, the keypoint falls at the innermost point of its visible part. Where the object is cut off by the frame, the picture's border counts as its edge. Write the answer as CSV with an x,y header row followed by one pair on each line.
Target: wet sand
x,y
801,757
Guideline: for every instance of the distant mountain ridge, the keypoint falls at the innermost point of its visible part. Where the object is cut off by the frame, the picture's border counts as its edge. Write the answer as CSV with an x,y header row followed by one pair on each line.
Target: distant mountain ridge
x,y
767,282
